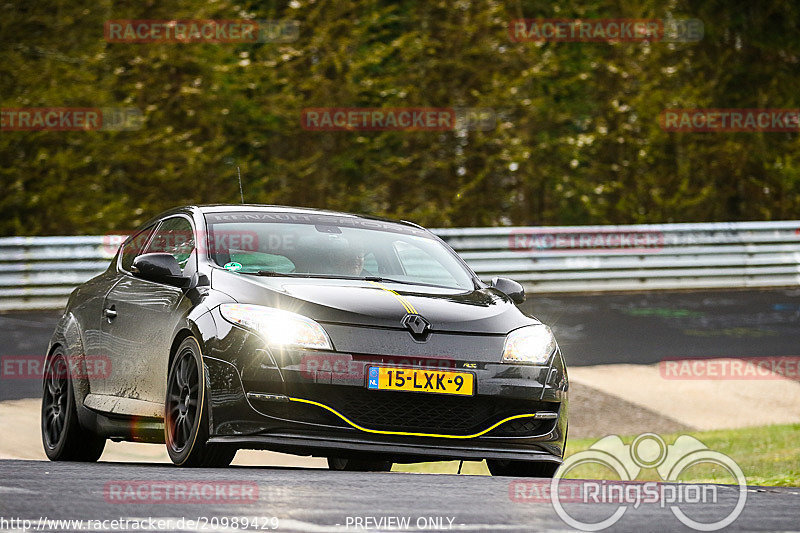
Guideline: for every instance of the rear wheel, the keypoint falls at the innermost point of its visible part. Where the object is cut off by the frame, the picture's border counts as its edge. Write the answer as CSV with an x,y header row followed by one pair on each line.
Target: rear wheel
x,y
544,469
62,435
359,465
186,413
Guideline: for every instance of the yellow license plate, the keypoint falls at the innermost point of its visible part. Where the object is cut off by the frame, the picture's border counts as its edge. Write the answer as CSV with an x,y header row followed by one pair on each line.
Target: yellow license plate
x,y
420,380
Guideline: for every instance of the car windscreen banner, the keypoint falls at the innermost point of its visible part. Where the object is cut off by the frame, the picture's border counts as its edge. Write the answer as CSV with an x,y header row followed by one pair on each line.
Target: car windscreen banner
x,y
310,218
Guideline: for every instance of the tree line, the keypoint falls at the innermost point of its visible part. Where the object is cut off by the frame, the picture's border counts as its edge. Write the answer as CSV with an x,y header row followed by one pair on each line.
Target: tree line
x,y
566,132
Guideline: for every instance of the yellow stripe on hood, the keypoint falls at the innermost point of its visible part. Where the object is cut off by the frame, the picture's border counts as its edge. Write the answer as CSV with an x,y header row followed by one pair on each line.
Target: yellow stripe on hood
x,y
405,303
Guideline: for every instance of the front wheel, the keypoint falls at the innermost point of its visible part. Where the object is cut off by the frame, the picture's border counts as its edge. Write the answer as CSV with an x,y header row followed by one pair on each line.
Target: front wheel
x,y
186,412
544,469
63,437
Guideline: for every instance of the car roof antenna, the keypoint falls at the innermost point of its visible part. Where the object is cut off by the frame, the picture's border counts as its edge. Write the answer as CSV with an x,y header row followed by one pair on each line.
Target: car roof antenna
x,y
241,191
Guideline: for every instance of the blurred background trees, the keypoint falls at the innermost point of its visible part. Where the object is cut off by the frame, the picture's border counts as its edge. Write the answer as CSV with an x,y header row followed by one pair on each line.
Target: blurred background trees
x,y
576,141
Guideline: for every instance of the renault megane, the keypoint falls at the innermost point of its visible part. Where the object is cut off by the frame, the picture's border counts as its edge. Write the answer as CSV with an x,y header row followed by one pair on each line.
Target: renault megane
x,y
358,339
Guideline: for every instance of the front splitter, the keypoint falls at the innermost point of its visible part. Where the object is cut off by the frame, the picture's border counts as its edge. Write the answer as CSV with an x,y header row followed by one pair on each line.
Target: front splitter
x,y
337,446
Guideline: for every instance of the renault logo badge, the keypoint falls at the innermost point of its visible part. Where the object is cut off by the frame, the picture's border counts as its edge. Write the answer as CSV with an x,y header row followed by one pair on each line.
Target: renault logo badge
x,y
417,325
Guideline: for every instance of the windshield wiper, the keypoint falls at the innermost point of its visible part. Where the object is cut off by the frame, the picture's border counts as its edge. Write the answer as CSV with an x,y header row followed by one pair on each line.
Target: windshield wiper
x,y
273,273
404,282
391,280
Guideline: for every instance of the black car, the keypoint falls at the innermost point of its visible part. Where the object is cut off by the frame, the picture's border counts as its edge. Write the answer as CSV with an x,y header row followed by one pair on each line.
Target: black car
x,y
359,339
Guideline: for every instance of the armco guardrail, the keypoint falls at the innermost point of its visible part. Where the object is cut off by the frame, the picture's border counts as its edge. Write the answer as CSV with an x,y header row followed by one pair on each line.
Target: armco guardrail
x,y
40,272
635,257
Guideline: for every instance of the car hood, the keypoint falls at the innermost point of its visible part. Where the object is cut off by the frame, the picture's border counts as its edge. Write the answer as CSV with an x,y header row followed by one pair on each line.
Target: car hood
x,y
385,304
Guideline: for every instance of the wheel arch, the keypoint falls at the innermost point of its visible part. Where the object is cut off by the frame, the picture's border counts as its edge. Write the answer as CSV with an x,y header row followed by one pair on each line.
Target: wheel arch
x,y
181,335
199,326
54,345
69,338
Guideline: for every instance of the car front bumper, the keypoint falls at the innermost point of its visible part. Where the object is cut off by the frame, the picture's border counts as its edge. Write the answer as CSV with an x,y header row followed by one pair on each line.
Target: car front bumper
x,y
277,401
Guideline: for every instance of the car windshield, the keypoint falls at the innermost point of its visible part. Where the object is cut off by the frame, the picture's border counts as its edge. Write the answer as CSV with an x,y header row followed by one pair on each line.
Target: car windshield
x,y
332,247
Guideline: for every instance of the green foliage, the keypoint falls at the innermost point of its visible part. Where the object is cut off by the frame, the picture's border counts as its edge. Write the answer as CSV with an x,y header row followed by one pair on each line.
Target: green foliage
x,y
577,139
767,455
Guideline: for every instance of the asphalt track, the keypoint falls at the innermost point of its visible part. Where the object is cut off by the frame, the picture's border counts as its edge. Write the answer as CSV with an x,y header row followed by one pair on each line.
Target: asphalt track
x,y
326,501
594,329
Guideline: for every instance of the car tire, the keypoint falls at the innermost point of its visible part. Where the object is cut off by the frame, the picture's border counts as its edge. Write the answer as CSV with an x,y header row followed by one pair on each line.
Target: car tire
x,y
186,412
63,437
359,465
544,469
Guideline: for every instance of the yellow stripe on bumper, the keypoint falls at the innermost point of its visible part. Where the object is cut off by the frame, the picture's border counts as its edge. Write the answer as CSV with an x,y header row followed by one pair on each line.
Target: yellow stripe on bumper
x,y
408,434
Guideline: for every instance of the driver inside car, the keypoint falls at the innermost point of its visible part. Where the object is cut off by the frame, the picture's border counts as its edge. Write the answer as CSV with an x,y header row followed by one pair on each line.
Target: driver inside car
x,y
347,259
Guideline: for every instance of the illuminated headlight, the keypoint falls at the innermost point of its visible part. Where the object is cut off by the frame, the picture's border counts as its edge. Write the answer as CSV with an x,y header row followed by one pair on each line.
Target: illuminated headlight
x,y
529,345
280,328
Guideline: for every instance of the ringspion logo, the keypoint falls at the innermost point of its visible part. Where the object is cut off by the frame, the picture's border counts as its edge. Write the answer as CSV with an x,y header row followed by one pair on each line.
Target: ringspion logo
x,y
70,119
647,451
201,31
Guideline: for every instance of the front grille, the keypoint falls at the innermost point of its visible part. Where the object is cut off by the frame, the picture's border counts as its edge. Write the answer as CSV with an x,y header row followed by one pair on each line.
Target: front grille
x,y
522,427
429,413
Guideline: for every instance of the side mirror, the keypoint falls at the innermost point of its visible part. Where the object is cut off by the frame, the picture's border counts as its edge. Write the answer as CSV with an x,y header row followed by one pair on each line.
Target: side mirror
x,y
511,288
161,268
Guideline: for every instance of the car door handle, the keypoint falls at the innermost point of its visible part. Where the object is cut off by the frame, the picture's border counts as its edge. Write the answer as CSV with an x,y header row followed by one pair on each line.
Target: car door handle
x,y
110,313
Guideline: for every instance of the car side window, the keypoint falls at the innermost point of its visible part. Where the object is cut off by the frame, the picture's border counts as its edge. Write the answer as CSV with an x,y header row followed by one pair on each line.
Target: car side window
x,y
419,264
133,248
176,237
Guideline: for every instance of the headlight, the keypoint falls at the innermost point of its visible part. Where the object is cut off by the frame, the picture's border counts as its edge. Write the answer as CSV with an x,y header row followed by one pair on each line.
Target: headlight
x,y
529,345
280,328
